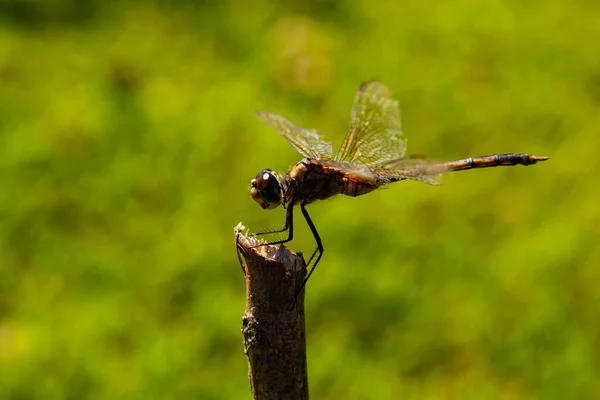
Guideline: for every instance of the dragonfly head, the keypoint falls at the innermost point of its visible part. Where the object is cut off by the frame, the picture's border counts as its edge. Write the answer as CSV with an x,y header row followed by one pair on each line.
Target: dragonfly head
x,y
265,189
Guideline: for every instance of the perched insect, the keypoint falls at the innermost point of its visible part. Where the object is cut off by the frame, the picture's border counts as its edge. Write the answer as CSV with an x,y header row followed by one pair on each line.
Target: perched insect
x,y
372,155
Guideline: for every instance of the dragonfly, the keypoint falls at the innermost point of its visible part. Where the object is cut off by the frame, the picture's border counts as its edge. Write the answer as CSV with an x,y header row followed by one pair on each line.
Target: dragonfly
x,y
372,156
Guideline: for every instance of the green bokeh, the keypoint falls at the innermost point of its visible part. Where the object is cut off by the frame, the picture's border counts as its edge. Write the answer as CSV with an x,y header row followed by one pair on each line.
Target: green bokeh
x,y
127,140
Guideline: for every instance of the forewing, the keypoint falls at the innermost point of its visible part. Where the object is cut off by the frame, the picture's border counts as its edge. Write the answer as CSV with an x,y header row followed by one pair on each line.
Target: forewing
x,y
416,168
306,142
375,128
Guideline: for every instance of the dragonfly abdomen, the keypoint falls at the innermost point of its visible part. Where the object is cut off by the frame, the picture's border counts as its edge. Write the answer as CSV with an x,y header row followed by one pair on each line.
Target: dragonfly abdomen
x,y
494,160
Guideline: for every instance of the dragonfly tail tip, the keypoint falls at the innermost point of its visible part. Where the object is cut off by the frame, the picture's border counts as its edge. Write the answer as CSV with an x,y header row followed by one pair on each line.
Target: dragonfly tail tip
x,y
539,158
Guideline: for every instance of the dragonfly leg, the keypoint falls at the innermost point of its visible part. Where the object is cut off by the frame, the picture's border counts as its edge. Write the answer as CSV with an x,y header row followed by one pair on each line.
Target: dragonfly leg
x,y
289,226
318,250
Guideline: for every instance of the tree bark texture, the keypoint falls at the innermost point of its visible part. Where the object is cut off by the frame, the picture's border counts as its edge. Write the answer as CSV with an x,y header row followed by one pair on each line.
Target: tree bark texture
x,y
274,333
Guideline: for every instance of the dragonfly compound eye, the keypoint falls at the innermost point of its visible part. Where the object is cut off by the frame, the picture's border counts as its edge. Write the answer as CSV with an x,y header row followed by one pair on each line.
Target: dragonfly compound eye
x,y
265,189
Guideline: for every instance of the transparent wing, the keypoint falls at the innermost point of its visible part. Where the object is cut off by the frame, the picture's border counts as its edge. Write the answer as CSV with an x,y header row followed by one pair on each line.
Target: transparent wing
x,y
306,142
416,168
375,129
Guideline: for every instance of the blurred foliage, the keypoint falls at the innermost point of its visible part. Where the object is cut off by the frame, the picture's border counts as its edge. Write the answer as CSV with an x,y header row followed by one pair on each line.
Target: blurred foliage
x,y
127,140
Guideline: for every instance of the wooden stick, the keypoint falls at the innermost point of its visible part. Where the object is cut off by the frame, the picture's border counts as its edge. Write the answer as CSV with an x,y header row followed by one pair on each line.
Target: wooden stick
x,y
274,335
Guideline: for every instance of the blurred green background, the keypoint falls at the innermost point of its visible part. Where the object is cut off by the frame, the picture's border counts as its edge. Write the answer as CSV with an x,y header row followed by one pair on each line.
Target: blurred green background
x,y
127,141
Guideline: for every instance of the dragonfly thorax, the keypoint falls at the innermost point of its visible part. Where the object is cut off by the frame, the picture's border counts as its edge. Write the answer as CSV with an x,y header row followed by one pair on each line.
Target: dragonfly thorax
x,y
266,189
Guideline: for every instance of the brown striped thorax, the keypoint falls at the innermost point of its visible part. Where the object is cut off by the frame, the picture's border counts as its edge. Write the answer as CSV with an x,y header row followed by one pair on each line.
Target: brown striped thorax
x,y
372,155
